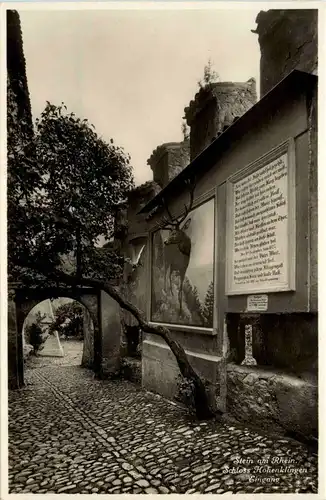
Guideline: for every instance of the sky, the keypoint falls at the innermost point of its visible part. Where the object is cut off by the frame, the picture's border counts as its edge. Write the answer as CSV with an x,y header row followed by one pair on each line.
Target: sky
x,y
132,73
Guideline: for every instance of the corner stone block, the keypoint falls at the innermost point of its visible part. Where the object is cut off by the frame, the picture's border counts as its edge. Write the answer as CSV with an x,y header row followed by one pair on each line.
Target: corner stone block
x,y
272,400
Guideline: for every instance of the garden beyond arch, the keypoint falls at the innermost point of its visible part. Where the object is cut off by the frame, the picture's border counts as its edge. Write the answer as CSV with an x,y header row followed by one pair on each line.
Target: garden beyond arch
x,y
24,300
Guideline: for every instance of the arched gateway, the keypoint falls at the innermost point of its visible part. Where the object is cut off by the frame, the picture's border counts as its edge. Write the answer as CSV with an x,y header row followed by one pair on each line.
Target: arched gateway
x,y
102,345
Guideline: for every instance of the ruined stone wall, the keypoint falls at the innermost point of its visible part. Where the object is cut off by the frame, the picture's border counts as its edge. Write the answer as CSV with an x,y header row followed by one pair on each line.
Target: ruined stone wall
x,y
288,40
178,160
204,130
168,160
214,108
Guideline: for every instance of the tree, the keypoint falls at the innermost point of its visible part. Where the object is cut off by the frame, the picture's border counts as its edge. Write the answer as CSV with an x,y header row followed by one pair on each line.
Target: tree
x,y
68,320
76,182
34,332
210,76
193,302
34,335
208,308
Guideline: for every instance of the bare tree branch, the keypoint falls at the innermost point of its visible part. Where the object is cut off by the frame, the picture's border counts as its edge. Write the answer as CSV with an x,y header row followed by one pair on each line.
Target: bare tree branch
x,y
202,405
171,219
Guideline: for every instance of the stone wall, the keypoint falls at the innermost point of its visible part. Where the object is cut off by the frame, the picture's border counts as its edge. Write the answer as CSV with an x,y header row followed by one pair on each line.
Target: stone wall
x,y
274,401
111,333
214,108
288,40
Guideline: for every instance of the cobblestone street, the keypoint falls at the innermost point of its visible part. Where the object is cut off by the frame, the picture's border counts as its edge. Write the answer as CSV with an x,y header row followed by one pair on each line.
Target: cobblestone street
x,y
70,433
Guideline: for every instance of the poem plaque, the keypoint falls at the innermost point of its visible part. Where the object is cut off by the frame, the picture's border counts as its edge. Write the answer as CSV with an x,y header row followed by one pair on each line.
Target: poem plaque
x,y
261,225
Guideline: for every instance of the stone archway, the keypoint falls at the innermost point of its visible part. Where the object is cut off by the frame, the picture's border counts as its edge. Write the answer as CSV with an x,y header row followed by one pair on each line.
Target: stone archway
x,y
23,300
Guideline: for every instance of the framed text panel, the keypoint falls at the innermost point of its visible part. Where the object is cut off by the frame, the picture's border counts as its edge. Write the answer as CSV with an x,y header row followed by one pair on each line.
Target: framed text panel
x,y
260,229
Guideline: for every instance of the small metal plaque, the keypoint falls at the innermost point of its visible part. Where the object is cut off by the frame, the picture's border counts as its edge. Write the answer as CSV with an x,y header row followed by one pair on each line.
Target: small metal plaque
x,y
257,302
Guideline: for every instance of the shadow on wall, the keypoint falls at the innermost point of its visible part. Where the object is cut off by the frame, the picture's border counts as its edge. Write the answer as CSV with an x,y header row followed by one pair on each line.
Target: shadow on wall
x,y
132,340
284,341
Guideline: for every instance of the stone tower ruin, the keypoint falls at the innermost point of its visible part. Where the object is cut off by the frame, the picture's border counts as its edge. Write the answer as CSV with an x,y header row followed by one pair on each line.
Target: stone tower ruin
x,y
214,108
288,40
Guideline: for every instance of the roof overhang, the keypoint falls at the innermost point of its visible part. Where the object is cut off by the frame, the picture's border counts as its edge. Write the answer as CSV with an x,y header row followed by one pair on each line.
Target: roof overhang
x,y
296,82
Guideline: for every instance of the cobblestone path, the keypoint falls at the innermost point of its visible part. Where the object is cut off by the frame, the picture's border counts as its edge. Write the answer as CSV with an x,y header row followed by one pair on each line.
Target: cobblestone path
x,y
70,433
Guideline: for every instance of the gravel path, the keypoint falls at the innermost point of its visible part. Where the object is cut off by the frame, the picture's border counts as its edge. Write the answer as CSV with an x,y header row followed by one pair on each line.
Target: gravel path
x,y
70,433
